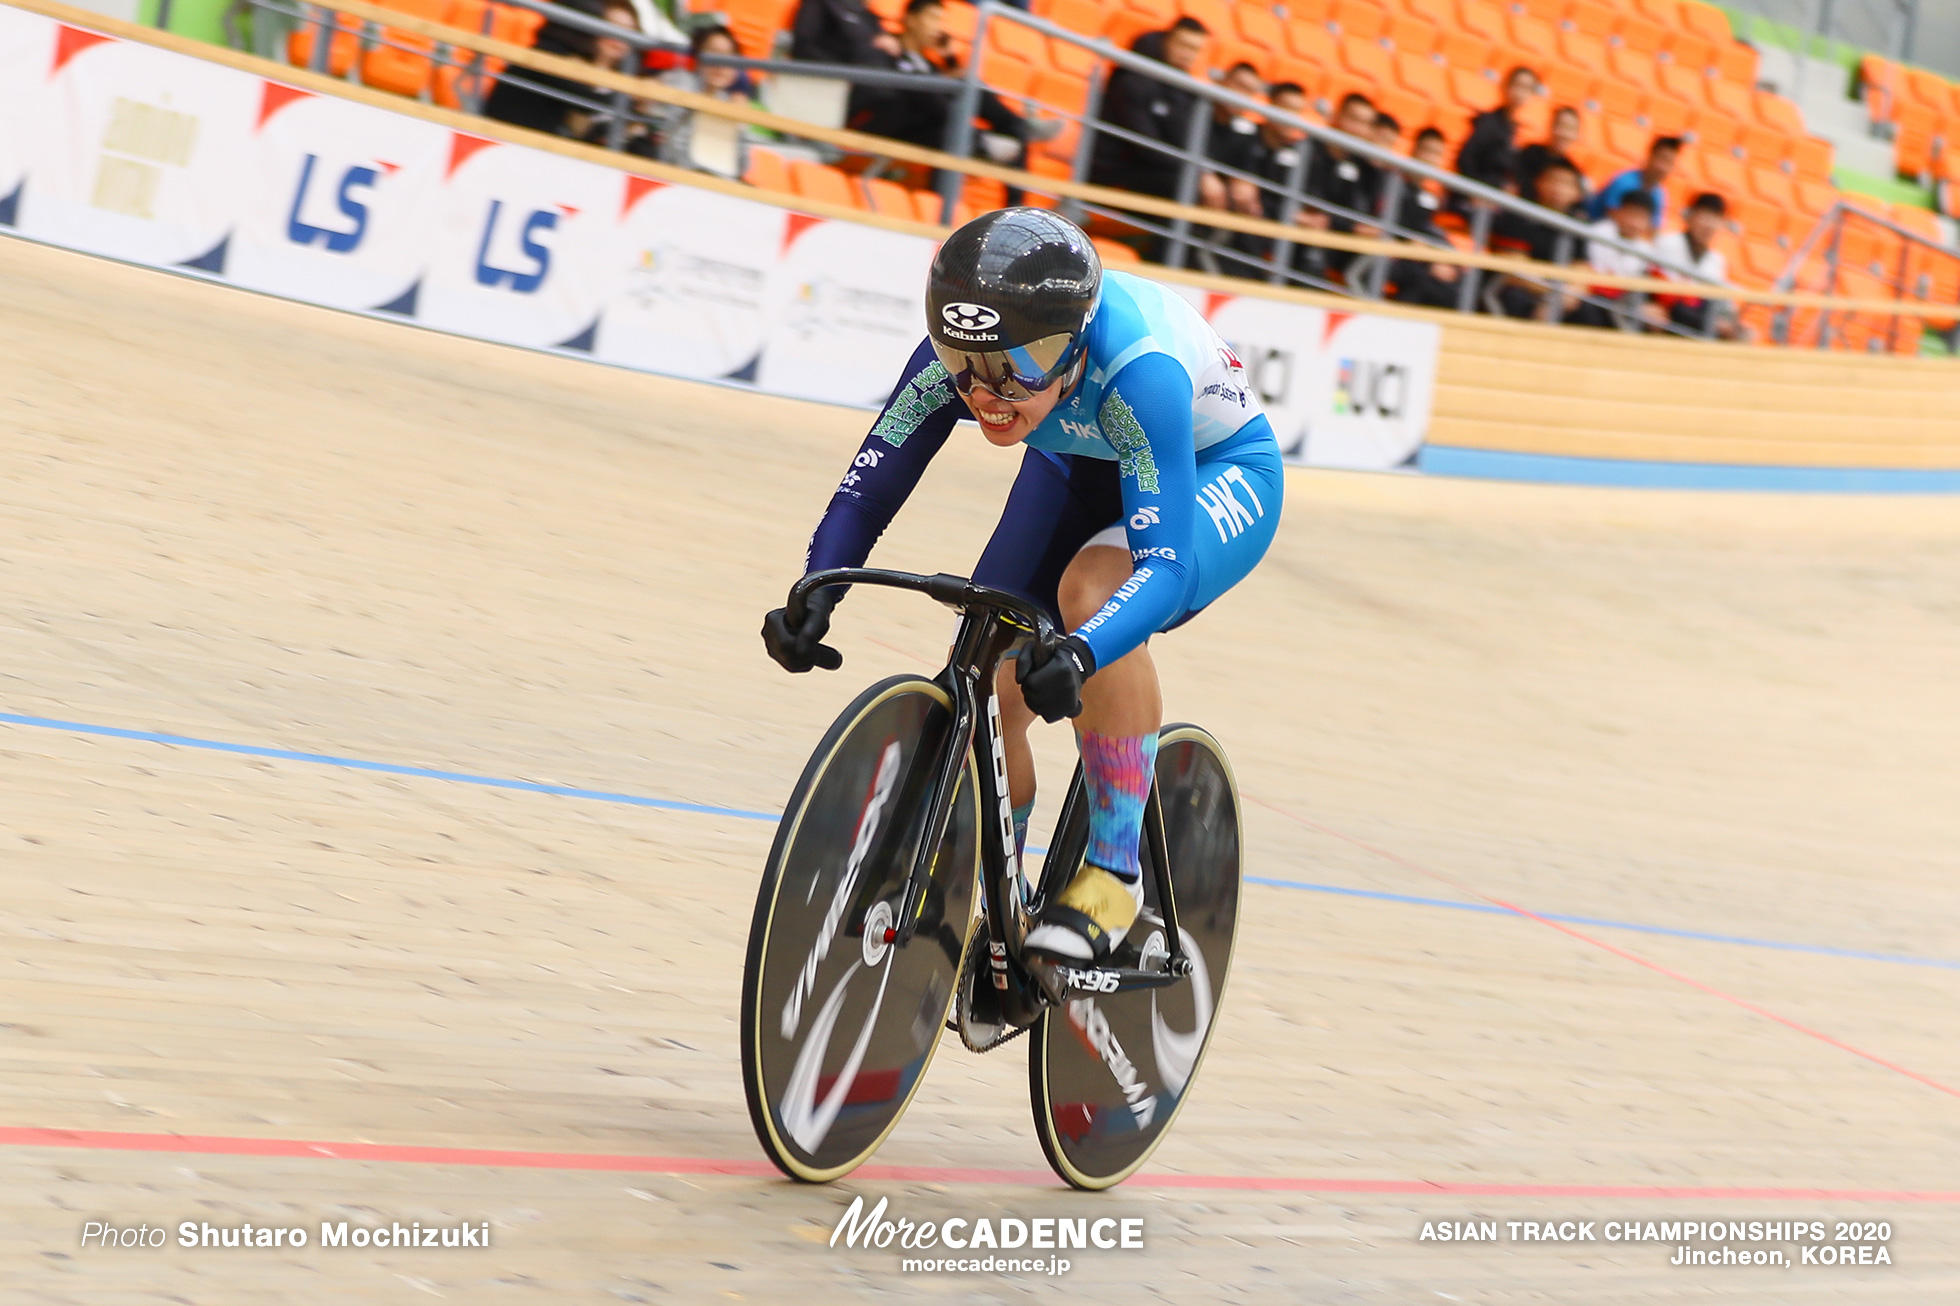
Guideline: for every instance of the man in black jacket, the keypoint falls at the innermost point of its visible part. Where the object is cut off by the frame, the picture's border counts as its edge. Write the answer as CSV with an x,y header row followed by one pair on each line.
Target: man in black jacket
x,y
1345,181
839,31
1490,152
1151,109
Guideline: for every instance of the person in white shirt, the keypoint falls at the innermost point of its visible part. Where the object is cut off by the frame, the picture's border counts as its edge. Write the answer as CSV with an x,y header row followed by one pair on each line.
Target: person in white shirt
x,y
1631,224
1694,248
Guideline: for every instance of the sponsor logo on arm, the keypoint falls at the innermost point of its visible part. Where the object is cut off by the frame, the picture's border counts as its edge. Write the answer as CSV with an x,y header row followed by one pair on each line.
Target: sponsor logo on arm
x,y
921,397
1132,446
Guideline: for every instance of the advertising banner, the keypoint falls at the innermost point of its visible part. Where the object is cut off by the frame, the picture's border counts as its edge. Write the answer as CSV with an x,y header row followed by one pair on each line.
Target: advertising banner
x,y
122,149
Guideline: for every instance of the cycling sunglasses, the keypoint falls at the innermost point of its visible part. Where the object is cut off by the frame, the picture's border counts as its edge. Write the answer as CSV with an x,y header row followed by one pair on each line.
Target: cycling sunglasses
x,y
1011,374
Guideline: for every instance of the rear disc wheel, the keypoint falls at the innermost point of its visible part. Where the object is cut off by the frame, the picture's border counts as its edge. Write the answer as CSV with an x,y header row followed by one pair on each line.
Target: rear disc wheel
x,y
1108,1073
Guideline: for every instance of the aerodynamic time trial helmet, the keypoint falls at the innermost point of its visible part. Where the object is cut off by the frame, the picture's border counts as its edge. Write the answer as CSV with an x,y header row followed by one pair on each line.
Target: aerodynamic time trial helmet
x,y
1009,301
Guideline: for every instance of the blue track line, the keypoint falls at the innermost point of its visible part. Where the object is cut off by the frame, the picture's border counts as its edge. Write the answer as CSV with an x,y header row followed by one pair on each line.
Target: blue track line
x,y
385,768
744,814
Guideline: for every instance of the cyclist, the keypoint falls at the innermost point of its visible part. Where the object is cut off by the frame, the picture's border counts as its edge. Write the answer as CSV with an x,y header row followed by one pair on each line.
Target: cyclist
x,y
1151,485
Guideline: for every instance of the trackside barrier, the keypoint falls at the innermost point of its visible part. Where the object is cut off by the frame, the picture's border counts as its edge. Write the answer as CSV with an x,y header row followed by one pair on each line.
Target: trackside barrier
x,y
149,155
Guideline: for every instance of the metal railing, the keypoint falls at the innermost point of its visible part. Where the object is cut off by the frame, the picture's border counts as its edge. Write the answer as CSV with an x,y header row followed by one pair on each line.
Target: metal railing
x,y
624,106
1398,172
1904,262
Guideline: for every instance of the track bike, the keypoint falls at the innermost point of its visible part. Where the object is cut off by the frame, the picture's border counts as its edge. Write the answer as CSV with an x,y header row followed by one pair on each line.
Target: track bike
x,y
864,945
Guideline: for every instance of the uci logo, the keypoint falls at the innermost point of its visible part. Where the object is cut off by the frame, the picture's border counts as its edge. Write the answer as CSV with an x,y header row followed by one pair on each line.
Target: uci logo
x,y
969,317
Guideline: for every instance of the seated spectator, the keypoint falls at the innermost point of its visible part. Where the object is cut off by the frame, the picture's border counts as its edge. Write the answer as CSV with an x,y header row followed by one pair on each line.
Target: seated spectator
x,y
1341,180
1433,285
1533,158
1631,221
1151,109
1234,142
529,103
1525,236
717,81
921,117
1694,249
839,31
1651,178
1490,152
1387,131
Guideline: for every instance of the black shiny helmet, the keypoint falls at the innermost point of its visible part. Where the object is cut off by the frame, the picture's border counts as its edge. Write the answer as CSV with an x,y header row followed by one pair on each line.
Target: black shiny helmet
x,y
1009,301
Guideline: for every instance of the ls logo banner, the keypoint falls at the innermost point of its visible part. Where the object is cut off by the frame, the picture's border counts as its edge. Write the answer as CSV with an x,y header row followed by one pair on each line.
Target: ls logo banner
x,y
345,240
525,282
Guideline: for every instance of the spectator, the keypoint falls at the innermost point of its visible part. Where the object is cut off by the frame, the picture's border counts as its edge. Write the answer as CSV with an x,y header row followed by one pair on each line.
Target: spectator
x,y
1234,143
1151,109
717,81
1344,181
1387,131
539,100
1490,152
1631,222
1533,158
1530,237
1433,285
921,117
1652,178
1278,150
1694,249
839,31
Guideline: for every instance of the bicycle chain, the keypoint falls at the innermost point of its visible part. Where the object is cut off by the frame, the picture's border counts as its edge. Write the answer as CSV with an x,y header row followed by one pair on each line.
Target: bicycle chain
x,y
973,969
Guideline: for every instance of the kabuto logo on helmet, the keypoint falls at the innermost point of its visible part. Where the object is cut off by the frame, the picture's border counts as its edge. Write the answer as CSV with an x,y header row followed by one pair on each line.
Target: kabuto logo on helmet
x,y
969,317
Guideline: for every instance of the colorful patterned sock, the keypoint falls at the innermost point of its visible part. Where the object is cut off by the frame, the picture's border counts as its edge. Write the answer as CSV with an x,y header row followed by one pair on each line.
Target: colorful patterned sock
x,y
1117,772
1021,815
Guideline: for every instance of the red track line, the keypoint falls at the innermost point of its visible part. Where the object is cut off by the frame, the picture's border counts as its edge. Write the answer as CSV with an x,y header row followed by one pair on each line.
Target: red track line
x,y
1616,950
216,1145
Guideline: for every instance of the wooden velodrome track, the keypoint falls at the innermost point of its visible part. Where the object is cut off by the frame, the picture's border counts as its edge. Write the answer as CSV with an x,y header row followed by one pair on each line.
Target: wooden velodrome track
x,y
1463,714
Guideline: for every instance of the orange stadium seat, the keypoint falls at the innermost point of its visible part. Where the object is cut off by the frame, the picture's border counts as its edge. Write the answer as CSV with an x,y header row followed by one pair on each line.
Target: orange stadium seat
x,y
1423,76
342,50
454,86
1114,252
1634,68
1440,12
1643,35
1018,42
1007,76
1814,197
1411,34
1665,116
1084,16
1778,114
1261,27
756,22
1707,21
1715,132
1811,157
1731,98
1550,11
399,62
1772,185
1464,50
768,170
1472,90
1593,17
1072,59
1583,51
1369,59
1313,43
1684,84
1737,62
1535,37
1565,85
888,198
1913,140
1359,20
1689,52
1613,98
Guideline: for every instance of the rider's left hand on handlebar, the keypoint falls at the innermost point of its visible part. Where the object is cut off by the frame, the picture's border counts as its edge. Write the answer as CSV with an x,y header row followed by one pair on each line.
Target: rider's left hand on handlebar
x,y
799,648
1051,679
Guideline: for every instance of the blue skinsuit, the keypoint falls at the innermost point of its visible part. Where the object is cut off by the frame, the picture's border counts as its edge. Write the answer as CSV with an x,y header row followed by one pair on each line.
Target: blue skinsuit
x,y
1161,435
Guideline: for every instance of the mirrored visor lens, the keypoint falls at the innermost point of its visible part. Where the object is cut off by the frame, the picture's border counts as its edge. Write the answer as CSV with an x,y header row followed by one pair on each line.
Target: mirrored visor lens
x,y
1018,373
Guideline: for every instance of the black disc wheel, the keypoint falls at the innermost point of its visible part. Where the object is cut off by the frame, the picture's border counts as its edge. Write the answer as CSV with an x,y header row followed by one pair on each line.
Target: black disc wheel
x,y
838,1024
1108,1072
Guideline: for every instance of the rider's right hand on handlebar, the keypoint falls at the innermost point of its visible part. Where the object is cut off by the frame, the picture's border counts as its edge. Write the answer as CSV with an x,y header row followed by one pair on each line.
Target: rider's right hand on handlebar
x,y
798,648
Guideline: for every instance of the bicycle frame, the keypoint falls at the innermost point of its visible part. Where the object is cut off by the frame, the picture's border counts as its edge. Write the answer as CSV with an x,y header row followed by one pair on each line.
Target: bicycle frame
x,y
991,622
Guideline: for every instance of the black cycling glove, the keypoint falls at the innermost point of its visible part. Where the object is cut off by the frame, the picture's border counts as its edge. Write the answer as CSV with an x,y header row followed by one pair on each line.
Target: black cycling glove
x,y
801,647
1052,685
